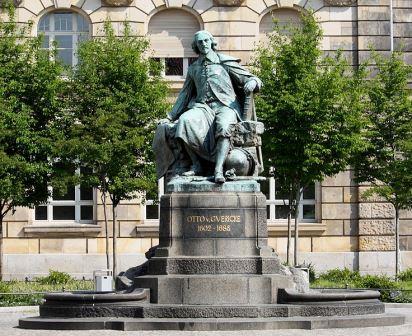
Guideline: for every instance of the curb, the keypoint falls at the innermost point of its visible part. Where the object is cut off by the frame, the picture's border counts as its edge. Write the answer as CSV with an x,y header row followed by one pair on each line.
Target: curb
x,y
398,305
19,309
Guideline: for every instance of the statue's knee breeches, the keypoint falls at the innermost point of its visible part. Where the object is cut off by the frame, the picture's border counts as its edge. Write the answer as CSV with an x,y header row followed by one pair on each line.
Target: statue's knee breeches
x,y
225,118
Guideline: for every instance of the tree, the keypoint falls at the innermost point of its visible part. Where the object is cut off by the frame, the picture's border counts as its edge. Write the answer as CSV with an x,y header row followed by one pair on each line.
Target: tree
x,y
310,106
29,108
386,161
117,97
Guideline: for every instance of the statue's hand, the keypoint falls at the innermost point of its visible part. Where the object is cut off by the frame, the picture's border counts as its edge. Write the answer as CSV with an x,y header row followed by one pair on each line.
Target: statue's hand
x,y
164,121
250,86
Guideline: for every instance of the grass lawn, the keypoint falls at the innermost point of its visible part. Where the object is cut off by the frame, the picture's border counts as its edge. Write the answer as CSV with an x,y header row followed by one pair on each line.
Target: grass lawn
x,y
21,293
391,290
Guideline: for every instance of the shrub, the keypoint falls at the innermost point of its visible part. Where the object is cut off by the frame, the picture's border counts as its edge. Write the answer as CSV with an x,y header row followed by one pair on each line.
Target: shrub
x,y
4,287
55,278
389,289
30,293
406,275
376,281
311,270
386,285
340,275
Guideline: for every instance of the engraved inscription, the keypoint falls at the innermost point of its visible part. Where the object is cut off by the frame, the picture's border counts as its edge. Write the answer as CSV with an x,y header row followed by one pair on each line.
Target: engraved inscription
x,y
213,223
213,219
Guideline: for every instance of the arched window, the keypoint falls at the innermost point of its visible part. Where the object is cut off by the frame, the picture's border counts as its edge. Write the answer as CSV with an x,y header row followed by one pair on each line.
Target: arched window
x,y
283,16
171,32
66,29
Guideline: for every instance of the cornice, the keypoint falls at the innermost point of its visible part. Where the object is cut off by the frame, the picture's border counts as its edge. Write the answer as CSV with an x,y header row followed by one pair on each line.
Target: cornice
x,y
340,2
228,3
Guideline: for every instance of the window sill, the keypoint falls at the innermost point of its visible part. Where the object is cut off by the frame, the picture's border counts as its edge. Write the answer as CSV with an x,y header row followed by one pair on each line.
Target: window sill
x,y
175,83
62,230
148,229
276,228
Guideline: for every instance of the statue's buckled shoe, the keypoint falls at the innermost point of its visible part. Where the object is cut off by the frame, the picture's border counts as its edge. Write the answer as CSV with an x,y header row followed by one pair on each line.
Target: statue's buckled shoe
x,y
195,170
219,178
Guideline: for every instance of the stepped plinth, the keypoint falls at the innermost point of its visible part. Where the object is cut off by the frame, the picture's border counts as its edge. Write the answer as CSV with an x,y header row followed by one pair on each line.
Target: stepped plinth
x,y
213,270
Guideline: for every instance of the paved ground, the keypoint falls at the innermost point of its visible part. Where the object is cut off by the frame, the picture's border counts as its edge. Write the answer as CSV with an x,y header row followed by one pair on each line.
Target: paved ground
x,y
9,321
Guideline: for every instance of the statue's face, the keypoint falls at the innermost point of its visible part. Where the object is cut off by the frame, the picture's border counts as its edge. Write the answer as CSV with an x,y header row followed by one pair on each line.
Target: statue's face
x,y
204,43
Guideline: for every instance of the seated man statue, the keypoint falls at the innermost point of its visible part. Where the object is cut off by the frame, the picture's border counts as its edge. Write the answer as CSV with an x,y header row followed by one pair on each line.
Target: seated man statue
x,y
203,119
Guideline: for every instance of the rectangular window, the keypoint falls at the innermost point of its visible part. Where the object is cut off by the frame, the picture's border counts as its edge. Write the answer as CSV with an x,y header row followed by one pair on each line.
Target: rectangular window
x,y
86,212
46,42
175,67
63,22
64,212
76,205
152,210
65,48
41,213
277,202
152,207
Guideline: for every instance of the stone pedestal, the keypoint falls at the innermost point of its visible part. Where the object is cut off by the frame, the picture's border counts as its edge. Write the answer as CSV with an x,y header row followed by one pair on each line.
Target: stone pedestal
x,y
213,247
212,270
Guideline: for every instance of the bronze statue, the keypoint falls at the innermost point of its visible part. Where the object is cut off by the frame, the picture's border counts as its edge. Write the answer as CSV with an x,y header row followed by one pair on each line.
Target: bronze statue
x,y
207,116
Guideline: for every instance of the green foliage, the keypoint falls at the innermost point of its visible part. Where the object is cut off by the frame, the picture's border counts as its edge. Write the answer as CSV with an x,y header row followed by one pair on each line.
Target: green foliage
x,y
117,97
376,281
20,293
311,270
4,287
386,160
405,275
310,105
55,278
345,278
29,109
380,281
340,275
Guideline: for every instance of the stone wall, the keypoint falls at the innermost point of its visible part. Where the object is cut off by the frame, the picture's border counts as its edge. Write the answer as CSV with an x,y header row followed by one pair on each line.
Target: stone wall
x,y
338,218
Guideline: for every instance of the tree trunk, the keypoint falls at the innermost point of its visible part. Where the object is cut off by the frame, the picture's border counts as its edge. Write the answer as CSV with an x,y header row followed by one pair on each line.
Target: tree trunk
x,y
4,209
1,247
289,237
106,229
114,210
296,252
397,250
295,255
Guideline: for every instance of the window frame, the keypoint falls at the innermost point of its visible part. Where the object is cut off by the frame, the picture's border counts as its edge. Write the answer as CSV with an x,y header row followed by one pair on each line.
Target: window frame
x,y
161,192
77,203
174,77
272,201
75,33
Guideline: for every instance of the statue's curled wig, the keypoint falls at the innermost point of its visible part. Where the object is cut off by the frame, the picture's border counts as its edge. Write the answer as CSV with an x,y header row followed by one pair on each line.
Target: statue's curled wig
x,y
194,42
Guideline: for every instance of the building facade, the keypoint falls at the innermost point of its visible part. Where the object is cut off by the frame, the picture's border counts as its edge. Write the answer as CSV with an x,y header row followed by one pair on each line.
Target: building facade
x,y
339,228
